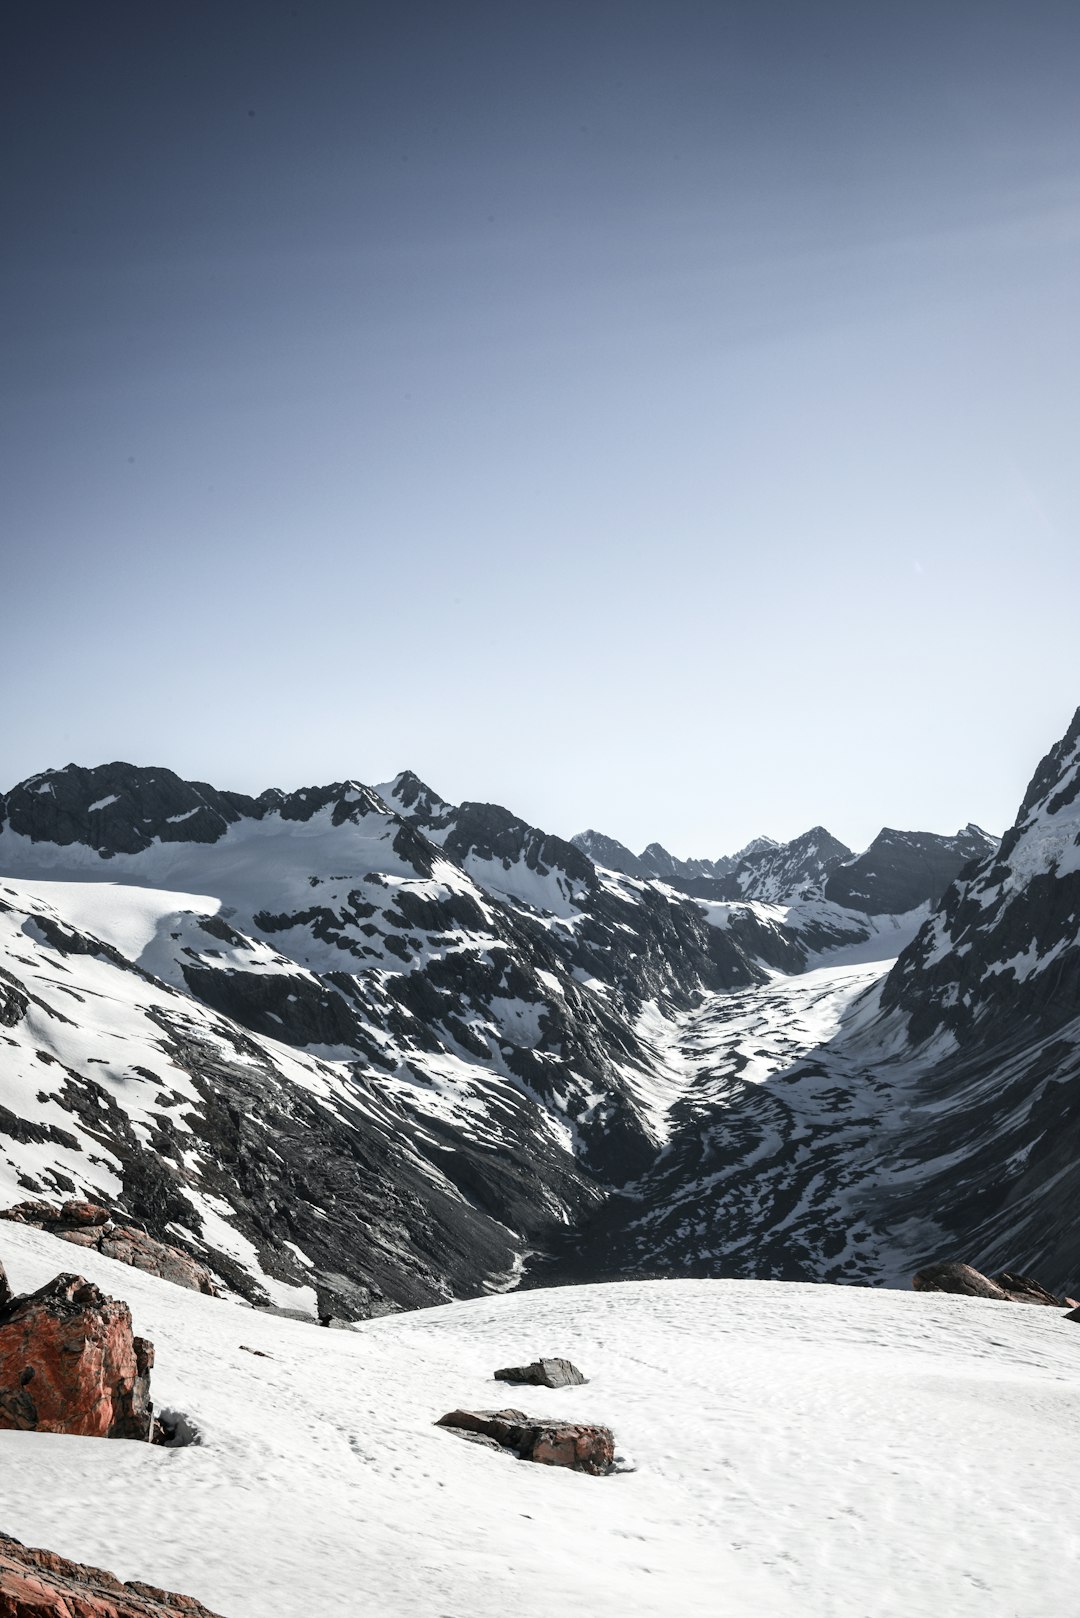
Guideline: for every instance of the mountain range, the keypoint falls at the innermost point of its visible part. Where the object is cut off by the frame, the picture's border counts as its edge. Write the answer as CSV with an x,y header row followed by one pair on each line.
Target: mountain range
x,y
358,1048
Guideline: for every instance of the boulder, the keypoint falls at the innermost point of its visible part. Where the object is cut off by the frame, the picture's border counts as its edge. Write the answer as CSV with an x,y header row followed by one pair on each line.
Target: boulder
x,y
1025,1289
87,1224
40,1584
959,1278
548,1373
69,1363
1074,1314
579,1445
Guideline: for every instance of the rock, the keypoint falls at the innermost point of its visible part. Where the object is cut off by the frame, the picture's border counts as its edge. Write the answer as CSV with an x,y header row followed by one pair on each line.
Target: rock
x,y
1007,1287
69,1363
39,1584
87,1224
75,1212
546,1373
579,1445
1025,1289
1073,1314
959,1278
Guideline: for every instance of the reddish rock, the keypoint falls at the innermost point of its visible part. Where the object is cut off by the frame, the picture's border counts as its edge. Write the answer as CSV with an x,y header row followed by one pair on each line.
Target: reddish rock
x,y
40,1584
84,1213
69,1363
87,1224
575,1444
958,1278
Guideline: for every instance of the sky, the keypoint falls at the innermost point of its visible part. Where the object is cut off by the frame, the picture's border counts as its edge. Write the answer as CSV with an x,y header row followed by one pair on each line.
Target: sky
x,y
658,417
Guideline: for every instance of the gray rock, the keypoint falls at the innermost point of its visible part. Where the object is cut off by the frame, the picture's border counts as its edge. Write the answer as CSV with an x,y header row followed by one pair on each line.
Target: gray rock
x,y
544,1373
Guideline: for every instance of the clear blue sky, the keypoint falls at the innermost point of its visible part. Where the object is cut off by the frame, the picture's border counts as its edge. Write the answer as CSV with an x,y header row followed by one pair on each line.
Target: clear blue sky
x,y
660,417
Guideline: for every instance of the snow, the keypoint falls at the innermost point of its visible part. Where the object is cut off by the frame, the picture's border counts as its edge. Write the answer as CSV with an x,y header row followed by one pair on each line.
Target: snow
x,y
127,917
800,1450
103,803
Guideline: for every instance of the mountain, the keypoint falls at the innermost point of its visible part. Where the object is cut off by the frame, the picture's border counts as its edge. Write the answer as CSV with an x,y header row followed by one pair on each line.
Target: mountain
x,y
898,872
655,861
792,870
360,1049
851,1125
351,1054
903,869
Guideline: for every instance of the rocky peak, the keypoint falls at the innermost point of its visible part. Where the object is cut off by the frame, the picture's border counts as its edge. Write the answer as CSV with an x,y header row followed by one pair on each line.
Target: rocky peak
x,y
120,808
1002,946
901,870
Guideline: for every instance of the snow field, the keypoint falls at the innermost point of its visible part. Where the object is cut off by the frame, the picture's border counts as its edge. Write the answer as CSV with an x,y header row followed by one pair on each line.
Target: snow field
x,y
801,1450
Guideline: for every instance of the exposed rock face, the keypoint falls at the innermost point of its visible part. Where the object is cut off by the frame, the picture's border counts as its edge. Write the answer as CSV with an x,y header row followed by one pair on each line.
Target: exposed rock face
x,y
578,1445
902,870
1025,1289
86,1224
1005,1288
40,1584
544,1373
959,1278
69,1363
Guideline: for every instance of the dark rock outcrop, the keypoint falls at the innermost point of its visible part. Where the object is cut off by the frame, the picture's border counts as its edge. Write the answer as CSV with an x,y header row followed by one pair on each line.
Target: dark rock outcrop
x,y
1025,1289
543,1373
958,1278
904,869
579,1445
962,1279
40,1584
69,1363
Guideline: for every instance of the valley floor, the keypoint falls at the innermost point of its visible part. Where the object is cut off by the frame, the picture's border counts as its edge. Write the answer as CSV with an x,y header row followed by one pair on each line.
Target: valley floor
x,y
801,1450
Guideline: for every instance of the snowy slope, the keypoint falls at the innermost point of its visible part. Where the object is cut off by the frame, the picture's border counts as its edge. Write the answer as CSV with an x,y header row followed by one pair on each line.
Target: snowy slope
x,y
467,997
799,1450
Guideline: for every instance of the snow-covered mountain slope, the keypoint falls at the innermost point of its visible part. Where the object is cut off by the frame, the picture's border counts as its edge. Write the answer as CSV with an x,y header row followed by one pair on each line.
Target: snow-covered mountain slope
x,y
788,870
468,987
933,1111
799,1450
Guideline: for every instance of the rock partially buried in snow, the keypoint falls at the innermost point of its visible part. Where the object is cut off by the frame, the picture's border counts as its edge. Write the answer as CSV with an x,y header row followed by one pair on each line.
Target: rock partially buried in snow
x,y
578,1445
966,1282
69,1363
958,1278
1074,1314
40,1584
544,1373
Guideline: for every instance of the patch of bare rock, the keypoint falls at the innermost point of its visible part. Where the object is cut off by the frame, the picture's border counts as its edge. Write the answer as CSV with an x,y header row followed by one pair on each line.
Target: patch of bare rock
x,y
87,1224
1008,1287
579,1445
70,1363
40,1584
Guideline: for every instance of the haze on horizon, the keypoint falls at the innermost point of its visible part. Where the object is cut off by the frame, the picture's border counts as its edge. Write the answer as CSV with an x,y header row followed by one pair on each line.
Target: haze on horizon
x,y
653,417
